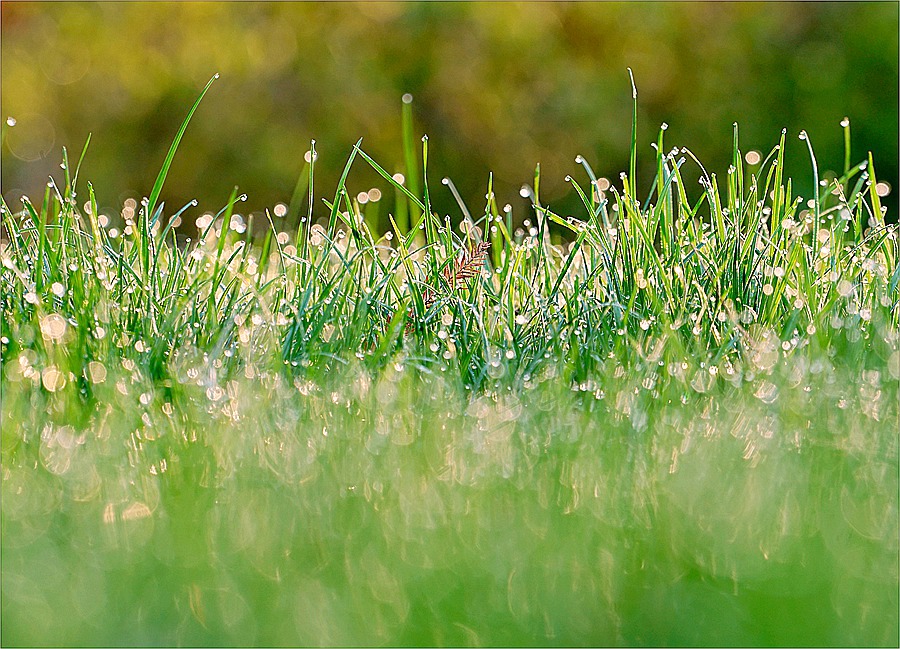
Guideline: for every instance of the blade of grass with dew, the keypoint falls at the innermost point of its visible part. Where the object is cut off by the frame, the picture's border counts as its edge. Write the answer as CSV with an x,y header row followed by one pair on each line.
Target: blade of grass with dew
x,y
301,188
341,188
410,157
632,160
167,163
430,233
211,314
397,186
845,124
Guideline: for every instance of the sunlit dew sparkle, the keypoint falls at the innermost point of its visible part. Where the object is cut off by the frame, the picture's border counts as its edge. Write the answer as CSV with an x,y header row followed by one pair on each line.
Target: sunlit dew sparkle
x,y
53,327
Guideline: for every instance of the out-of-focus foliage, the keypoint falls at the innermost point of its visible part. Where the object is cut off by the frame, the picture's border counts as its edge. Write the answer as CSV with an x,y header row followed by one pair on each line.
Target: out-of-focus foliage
x,y
498,87
396,510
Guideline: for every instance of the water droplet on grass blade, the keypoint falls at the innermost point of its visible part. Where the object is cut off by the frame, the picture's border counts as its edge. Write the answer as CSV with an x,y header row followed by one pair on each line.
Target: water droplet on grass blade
x,y
10,121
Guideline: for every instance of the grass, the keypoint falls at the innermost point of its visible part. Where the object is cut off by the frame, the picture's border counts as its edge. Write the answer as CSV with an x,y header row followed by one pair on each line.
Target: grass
x,y
671,419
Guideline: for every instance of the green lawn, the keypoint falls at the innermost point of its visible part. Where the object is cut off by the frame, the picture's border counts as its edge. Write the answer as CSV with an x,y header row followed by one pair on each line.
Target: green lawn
x,y
671,419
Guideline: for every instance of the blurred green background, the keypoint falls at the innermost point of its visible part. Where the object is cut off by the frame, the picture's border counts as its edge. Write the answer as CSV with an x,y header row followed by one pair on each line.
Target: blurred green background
x,y
497,87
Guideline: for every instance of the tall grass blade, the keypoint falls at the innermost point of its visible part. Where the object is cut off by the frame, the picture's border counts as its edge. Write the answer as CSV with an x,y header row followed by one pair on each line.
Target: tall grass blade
x,y
163,172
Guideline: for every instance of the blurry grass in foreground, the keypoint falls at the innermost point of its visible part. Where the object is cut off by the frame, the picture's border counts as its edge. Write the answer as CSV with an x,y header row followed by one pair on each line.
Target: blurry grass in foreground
x,y
398,509
680,427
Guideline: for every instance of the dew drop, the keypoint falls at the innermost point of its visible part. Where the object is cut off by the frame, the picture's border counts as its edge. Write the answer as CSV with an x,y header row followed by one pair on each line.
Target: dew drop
x,y
10,121
845,122
407,98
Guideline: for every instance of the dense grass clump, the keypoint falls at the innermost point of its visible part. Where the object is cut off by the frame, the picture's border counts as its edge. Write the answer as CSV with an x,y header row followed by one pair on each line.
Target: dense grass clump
x,y
668,420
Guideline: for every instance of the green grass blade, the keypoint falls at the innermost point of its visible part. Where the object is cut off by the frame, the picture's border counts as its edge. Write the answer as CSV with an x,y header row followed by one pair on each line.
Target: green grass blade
x,y
632,161
163,172
409,152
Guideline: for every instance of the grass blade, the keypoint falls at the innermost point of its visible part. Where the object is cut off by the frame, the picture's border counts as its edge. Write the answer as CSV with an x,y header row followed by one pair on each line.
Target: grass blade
x,y
163,172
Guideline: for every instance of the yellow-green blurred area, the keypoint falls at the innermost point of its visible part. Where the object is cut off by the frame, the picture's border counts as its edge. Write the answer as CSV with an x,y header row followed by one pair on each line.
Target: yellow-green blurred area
x,y
498,87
